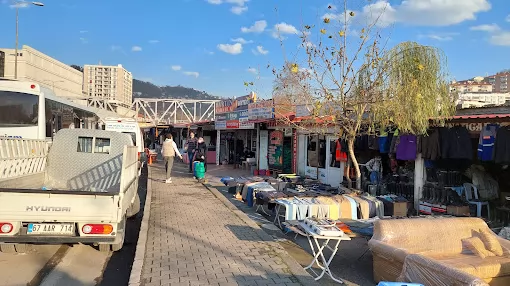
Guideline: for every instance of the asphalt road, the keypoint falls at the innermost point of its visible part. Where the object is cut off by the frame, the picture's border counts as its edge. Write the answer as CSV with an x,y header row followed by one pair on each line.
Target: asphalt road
x,y
74,265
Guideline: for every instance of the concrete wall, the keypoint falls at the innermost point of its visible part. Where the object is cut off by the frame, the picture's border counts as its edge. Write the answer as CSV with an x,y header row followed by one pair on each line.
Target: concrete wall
x,y
35,66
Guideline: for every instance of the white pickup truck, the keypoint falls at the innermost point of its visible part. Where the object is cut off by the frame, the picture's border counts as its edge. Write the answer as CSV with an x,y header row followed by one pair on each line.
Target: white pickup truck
x,y
80,191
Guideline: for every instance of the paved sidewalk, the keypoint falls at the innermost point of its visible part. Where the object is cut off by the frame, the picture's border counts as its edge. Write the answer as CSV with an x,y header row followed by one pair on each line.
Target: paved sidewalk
x,y
194,238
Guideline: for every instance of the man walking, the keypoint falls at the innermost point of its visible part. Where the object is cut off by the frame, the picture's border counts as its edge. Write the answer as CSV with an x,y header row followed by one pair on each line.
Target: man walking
x,y
169,151
191,145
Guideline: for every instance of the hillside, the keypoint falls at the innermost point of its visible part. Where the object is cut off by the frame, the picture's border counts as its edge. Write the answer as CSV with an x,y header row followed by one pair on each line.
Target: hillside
x,y
143,89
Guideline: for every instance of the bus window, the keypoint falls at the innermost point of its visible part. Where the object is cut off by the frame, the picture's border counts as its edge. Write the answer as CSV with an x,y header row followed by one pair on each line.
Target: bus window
x,y
18,109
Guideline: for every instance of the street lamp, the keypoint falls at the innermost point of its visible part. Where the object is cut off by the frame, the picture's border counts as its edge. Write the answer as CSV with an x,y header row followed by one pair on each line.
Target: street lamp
x,y
18,4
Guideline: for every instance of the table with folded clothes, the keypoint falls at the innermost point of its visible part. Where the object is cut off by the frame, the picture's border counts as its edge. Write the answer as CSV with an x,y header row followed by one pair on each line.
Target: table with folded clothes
x,y
352,206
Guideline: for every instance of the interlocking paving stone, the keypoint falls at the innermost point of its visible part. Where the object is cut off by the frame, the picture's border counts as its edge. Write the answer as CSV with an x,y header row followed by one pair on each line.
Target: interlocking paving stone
x,y
194,239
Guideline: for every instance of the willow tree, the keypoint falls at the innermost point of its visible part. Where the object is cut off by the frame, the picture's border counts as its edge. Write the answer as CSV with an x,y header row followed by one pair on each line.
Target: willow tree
x,y
357,83
416,89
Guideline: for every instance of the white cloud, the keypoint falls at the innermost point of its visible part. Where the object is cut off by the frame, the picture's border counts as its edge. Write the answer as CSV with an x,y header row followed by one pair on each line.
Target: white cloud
x,y
208,52
21,4
235,2
84,40
233,49
507,18
260,51
176,68
420,12
136,49
191,73
238,10
153,41
439,36
241,41
486,28
115,48
257,27
282,29
500,39
83,31
253,71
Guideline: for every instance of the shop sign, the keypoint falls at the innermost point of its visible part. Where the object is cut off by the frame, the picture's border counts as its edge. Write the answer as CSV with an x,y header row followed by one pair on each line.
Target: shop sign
x,y
276,138
224,106
221,117
261,110
232,124
244,123
232,116
220,124
240,103
472,127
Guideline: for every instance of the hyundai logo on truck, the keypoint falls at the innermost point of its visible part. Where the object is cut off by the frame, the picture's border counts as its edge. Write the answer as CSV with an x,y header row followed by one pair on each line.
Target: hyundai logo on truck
x,y
47,209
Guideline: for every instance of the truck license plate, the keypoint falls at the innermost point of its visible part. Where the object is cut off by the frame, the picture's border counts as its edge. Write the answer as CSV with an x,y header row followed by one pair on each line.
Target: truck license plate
x,y
51,228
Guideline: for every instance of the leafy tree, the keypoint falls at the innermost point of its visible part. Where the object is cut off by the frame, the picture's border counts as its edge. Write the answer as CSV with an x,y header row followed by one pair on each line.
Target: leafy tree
x,y
78,68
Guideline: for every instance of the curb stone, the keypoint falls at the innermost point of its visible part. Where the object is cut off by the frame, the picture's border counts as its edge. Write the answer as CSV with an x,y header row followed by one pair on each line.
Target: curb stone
x,y
297,270
136,270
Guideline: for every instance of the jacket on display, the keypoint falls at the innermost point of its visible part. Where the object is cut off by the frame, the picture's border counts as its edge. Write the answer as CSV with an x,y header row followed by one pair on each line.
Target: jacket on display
x,y
394,142
373,142
456,143
429,145
384,142
406,148
486,142
502,145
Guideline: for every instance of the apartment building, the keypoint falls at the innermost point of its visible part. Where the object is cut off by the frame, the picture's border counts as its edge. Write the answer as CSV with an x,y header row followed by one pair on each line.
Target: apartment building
x,y
112,83
468,86
500,82
35,66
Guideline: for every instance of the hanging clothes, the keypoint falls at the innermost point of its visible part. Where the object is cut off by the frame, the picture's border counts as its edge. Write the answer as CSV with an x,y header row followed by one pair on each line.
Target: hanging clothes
x,y
430,146
373,142
406,149
361,143
394,142
502,145
340,156
384,142
456,143
486,142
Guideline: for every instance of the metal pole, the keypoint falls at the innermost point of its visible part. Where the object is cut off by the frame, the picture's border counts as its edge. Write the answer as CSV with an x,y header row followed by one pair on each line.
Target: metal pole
x,y
16,49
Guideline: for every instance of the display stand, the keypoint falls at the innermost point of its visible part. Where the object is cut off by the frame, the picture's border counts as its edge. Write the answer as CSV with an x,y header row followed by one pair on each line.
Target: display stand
x,y
318,251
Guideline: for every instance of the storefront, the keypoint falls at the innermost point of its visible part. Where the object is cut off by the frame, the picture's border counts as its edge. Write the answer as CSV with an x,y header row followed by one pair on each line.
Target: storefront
x,y
236,136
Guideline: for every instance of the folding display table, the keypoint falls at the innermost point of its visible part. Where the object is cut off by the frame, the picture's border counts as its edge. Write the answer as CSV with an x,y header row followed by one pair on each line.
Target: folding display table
x,y
317,251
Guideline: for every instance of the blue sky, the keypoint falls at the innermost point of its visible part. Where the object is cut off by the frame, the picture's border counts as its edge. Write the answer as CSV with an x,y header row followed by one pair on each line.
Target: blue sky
x,y
217,45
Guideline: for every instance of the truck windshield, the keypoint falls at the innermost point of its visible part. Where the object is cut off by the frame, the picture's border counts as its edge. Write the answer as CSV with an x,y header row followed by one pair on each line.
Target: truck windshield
x,y
18,109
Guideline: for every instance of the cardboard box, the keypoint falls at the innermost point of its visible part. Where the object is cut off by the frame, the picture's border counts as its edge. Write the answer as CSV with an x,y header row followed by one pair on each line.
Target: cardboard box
x,y
400,209
458,210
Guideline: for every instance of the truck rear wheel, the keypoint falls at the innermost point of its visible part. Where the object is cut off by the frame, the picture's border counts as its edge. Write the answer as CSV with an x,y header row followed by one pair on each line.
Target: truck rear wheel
x,y
121,230
8,248
134,209
14,248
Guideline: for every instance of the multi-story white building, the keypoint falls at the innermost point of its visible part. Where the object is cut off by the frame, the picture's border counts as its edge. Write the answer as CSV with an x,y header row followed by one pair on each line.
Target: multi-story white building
x,y
111,83
482,99
35,66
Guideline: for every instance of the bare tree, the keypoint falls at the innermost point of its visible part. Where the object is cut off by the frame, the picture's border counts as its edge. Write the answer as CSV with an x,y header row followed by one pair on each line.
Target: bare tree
x,y
351,77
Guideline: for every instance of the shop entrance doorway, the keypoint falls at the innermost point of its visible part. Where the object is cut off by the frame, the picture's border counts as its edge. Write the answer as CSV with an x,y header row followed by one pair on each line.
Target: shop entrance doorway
x,y
334,168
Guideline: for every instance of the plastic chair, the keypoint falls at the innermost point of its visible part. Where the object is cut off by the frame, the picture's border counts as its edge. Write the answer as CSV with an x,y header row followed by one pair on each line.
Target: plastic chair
x,y
470,190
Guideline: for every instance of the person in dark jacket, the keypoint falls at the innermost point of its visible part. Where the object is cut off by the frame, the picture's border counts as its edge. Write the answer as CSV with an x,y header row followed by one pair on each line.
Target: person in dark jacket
x,y
201,152
190,147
